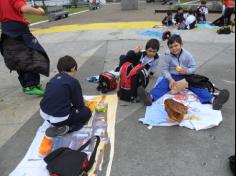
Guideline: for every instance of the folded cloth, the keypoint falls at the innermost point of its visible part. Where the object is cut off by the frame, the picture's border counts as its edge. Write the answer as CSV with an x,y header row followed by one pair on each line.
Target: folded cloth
x,y
207,26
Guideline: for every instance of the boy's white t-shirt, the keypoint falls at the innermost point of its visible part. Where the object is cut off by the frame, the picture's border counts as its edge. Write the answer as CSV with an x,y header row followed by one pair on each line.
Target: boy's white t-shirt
x,y
190,19
52,119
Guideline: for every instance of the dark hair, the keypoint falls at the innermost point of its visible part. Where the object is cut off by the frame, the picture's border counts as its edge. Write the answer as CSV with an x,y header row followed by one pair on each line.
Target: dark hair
x,y
169,13
174,38
180,8
204,2
154,44
190,11
66,63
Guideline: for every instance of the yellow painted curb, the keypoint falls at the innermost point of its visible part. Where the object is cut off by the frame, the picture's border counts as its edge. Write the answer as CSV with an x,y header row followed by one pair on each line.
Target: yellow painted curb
x,y
98,26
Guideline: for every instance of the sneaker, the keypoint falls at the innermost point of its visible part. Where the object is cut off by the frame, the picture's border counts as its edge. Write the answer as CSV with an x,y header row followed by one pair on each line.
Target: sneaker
x,y
221,99
144,96
57,131
33,91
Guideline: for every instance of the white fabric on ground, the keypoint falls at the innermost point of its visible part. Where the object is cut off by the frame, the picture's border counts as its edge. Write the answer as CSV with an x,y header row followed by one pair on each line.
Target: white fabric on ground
x,y
33,165
204,117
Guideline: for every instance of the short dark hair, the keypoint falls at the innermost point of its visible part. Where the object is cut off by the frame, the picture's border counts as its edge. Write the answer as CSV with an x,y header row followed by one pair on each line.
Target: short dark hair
x,y
190,11
180,8
174,38
204,2
169,13
154,44
66,63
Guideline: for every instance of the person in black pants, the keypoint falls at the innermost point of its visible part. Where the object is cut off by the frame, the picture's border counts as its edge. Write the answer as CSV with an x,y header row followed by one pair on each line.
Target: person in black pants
x,y
229,10
63,103
20,49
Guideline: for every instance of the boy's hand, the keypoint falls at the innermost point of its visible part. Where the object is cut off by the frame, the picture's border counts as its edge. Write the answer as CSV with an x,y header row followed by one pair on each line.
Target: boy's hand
x,y
172,83
41,11
182,71
138,50
151,76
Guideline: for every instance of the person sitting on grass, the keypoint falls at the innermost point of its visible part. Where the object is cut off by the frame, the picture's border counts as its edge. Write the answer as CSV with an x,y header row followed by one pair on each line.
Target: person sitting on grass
x,y
63,103
179,58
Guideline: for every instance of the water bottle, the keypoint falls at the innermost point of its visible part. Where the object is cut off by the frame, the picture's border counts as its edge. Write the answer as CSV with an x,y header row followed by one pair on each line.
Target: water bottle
x,y
46,146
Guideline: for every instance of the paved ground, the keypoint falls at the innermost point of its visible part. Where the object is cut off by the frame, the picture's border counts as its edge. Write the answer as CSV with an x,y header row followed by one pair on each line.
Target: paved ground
x,y
171,151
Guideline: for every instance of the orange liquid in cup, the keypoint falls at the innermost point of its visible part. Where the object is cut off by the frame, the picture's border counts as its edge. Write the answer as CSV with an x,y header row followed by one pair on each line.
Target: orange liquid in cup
x,y
46,146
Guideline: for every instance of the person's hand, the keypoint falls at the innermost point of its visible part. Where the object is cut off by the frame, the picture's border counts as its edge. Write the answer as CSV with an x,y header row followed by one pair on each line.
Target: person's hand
x,y
182,71
172,83
41,11
138,50
151,76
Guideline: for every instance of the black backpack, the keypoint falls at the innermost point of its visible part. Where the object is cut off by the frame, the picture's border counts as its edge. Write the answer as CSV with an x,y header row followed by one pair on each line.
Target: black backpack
x,y
68,162
224,30
200,81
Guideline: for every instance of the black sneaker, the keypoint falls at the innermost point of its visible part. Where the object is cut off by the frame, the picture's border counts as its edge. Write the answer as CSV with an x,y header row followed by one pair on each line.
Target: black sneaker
x,y
221,99
144,96
57,131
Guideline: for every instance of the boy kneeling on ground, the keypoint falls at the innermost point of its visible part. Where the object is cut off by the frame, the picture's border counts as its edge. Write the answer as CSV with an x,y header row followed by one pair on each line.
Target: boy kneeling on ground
x,y
178,64
63,103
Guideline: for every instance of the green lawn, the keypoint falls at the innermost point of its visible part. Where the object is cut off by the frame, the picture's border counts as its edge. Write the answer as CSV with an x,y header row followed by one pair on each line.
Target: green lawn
x,y
74,10
35,18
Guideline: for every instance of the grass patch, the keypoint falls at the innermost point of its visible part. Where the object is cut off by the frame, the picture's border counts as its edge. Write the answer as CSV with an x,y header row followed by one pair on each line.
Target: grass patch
x,y
74,10
35,18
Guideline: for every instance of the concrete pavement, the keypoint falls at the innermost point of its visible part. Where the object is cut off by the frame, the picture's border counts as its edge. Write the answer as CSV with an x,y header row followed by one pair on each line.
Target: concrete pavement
x,y
138,151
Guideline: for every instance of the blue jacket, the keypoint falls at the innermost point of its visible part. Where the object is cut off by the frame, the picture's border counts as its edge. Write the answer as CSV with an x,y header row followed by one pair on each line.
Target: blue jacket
x,y
184,60
62,92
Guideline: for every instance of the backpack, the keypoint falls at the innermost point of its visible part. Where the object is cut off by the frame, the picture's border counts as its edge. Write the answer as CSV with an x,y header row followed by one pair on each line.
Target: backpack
x,y
166,35
200,81
224,30
107,82
68,162
131,77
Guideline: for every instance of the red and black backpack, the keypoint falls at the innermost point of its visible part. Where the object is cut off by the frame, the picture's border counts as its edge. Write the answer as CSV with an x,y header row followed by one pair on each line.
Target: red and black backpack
x,y
131,77
107,82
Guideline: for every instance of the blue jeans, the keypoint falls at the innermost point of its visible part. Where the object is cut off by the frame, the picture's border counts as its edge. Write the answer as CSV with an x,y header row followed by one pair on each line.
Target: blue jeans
x,y
163,87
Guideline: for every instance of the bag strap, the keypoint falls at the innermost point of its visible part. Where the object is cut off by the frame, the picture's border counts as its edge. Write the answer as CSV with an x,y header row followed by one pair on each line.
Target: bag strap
x,y
55,154
93,156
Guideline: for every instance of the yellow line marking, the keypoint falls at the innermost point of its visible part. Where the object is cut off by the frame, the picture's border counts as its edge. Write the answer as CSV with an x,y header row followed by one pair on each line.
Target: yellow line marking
x,y
98,26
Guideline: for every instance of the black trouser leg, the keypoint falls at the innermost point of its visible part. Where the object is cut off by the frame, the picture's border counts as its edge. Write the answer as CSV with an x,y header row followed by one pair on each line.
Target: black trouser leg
x,y
78,118
227,15
28,79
